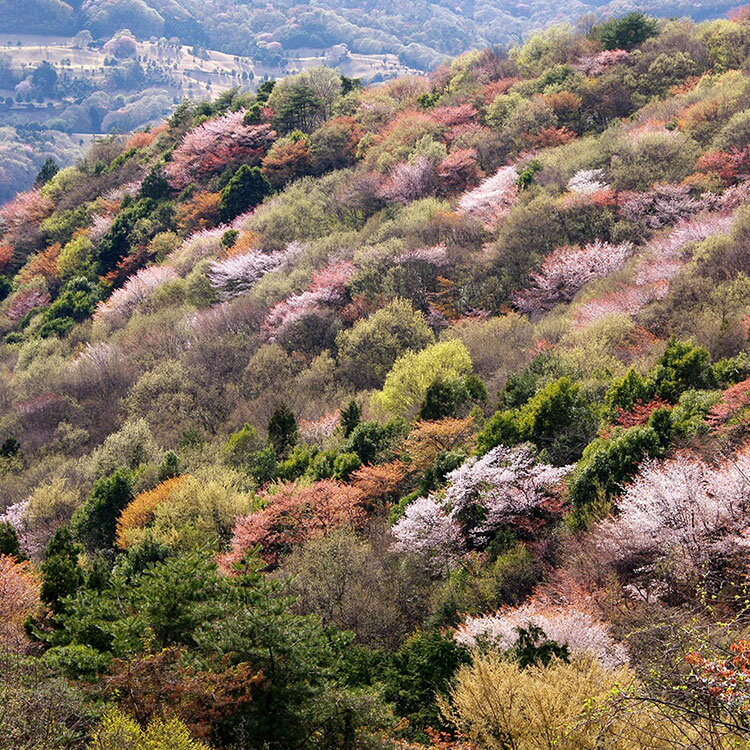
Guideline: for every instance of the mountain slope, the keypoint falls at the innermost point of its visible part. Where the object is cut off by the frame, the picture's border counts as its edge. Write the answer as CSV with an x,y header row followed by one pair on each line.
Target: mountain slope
x,y
320,400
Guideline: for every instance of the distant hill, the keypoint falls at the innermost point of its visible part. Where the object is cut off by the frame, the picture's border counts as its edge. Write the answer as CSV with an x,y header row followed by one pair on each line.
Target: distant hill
x,y
419,33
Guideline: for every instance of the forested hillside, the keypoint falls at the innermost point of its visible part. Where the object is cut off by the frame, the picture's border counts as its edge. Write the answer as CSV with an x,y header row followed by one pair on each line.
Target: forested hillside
x,y
412,415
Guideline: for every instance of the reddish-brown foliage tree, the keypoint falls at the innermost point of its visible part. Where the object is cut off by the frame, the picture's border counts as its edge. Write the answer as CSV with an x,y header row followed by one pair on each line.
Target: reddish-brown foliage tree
x,y
200,212
286,161
150,685
293,515
379,483
19,597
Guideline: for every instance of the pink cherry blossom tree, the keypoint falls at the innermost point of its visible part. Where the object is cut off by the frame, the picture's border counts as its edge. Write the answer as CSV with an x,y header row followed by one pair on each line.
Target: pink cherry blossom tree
x,y
139,287
678,518
505,487
238,273
215,144
565,271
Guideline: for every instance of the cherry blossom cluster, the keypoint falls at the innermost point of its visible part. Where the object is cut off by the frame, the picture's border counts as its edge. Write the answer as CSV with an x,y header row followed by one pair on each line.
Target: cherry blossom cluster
x,y
493,199
327,291
214,144
433,256
600,62
118,193
100,225
25,300
317,431
237,274
626,301
664,256
122,302
483,495
580,631
409,181
567,270
588,181
661,206
679,515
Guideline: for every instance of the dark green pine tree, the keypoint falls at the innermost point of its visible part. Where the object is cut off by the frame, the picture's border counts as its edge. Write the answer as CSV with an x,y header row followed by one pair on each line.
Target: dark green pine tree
x,y
95,522
282,430
48,170
155,184
61,573
9,542
351,415
247,188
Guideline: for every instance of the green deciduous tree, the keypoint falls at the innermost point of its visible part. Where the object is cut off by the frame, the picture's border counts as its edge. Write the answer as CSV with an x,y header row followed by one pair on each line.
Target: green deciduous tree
x,y
411,375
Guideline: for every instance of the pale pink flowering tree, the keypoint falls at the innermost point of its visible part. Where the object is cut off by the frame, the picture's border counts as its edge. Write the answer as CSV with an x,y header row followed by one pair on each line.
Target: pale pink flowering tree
x,y
734,196
493,199
432,256
317,431
15,515
327,292
25,300
678,518
506,487
409,181
504,484
664,256
600,62
139,287
661,206
100,225
588,181
20,220
428,531
626,301
118,193
216,143
237,274
565,271
580,631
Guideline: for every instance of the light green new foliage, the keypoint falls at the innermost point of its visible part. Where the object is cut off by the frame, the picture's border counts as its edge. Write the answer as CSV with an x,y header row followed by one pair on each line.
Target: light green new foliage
x,y
118,731
411,375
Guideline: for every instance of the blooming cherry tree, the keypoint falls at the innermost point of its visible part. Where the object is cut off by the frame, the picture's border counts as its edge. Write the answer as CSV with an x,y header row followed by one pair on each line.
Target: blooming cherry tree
x,y
238,273
493,199
502,488
567,269
580,631
214,144
587,182
679,516
139,287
